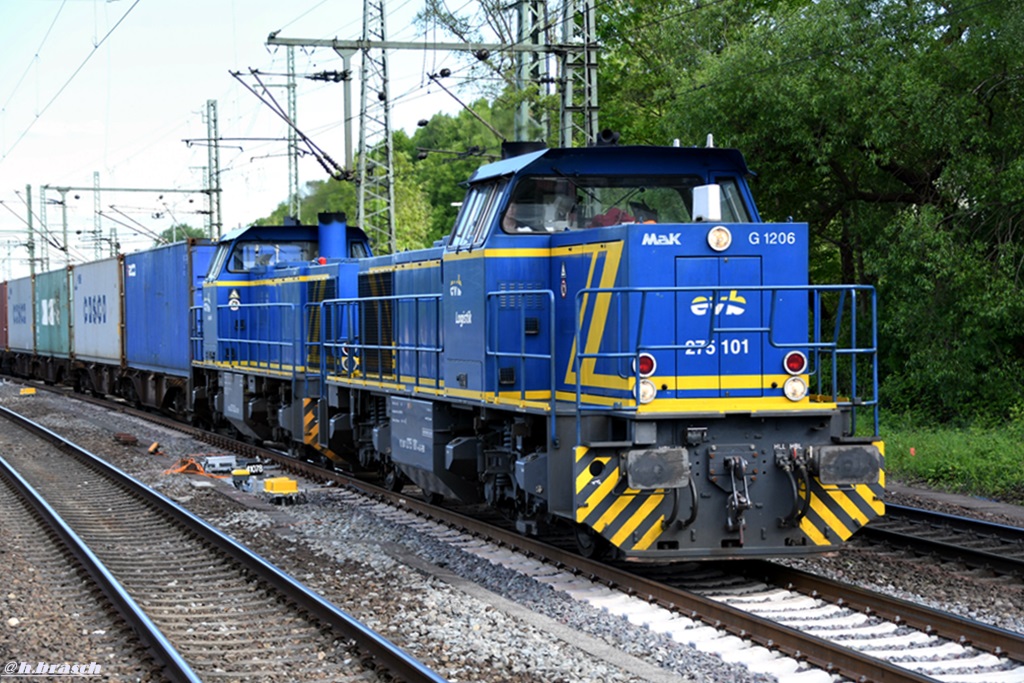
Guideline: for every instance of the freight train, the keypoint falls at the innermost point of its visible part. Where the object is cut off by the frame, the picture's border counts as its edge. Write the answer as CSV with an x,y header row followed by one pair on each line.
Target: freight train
x,y
609,341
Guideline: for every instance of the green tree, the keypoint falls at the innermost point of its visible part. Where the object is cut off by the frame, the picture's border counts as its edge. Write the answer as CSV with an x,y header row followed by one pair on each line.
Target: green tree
x,y
951,338
412,210
891,127
179,232
318,196
447,150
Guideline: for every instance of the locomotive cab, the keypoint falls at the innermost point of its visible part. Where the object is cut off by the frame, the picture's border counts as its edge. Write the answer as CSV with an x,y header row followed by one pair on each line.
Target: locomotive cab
x,y
637,292
257,332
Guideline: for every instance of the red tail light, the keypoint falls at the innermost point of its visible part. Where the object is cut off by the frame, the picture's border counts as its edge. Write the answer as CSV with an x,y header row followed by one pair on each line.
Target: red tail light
x,y
646,364
795,362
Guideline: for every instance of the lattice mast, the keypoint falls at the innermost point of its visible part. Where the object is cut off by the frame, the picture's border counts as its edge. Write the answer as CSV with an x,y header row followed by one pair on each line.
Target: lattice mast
x,y
376,149
294,204
579,74
214,221
531,69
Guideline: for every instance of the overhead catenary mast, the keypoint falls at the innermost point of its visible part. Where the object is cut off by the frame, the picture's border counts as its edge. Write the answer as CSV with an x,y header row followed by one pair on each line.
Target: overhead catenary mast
x,y
531,68
63,190
214,223
576,58
376,147
579,73
294,205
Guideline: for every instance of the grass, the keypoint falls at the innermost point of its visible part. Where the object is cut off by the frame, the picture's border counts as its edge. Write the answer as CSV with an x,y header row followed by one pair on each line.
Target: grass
x,y
987,462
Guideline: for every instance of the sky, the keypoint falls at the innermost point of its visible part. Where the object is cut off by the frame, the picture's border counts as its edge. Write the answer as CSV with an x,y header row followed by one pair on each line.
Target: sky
x,y
115,87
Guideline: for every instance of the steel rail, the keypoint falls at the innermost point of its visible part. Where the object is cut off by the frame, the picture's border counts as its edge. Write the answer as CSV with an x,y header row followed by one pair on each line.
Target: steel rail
x,y
1004,532
174,666
999,534
991,639
792,642
816,651
401,664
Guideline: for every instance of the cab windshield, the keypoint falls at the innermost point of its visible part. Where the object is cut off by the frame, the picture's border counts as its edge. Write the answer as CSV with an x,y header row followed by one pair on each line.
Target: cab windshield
x,y
552,204
246,256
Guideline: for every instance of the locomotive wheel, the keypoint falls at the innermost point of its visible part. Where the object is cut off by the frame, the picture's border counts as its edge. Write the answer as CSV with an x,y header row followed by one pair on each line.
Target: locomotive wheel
x,y
589,543
393,480
180,404
432,498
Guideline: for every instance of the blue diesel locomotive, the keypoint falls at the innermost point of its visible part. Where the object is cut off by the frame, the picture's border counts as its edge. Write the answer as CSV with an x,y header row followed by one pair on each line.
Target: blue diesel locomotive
x,y
609,340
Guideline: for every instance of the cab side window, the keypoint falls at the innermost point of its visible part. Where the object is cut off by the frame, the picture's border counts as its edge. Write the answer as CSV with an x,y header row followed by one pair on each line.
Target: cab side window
x,y
733,208
477,215
249,256
218,262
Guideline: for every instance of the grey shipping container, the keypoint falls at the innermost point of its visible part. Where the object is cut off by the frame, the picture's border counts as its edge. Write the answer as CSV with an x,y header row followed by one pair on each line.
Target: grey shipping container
x,y
97,297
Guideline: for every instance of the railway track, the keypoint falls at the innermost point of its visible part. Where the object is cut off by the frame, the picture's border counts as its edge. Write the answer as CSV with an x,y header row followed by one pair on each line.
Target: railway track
x,y
754,612
217,611
773,619
51,588
973,542
757,610
772,609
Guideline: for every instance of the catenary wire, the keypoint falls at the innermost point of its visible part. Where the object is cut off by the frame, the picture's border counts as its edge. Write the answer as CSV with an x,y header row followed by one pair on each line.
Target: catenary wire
x,y
68,81
35,56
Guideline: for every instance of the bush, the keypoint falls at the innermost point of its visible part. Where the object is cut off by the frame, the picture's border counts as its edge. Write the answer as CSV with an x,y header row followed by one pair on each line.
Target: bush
x,y
976,460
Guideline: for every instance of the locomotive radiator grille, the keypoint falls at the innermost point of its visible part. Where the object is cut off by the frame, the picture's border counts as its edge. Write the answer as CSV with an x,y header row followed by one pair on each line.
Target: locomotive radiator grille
x,y
317,292
377,323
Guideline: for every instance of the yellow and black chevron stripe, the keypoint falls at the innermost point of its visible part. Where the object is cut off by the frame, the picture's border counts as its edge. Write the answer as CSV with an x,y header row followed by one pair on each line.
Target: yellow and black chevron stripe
x,y
836,512
633,520
629,518
311,429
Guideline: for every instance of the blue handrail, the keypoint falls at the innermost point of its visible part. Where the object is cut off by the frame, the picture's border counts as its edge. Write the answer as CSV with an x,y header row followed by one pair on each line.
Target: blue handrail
x,y
832,349
346,340
491,351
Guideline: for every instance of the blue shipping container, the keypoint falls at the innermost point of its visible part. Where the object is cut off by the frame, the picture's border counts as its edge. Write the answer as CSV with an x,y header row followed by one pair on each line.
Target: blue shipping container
x,y
3,316
21,315
160,286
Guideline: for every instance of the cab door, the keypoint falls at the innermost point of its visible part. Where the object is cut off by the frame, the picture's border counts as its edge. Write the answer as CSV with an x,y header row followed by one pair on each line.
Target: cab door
x,y
718,328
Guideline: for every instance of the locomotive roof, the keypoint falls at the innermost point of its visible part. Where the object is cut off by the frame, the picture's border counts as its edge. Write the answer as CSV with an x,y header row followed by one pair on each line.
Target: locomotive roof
x,y
617,160
267,231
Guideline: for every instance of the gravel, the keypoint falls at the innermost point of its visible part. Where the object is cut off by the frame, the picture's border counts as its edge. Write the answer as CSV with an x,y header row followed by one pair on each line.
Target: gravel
x,y
52,612
466,617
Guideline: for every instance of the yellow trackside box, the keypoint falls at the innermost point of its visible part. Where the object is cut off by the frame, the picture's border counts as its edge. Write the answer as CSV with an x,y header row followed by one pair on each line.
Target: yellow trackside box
x,y
280,486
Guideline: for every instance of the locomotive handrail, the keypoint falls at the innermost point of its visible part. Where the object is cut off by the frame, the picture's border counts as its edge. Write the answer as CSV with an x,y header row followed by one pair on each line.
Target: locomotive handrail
x,y
258,351
346,336
491,352
815,344
195,333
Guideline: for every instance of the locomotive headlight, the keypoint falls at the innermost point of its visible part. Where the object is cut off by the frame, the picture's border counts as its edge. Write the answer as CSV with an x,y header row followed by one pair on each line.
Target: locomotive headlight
x,y
795,388
647,391
719,238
